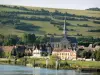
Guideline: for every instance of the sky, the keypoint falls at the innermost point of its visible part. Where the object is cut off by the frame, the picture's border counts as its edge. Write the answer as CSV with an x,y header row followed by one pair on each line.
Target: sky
x,y
66,4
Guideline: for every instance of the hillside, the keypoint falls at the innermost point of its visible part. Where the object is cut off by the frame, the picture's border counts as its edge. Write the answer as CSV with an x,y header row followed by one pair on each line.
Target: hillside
x,y
21,19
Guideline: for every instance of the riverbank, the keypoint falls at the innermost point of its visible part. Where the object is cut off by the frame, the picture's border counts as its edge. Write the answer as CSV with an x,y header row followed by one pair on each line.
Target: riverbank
x,y
22,70
51,63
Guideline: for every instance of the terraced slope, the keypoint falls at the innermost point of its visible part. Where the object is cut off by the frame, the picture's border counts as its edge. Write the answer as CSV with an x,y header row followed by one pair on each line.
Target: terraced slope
x,y
24,19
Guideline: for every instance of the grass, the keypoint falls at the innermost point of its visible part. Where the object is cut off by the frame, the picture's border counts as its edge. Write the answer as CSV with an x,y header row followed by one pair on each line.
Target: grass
x,y
72,11
8,9
86,64
10,30
46,27
66,64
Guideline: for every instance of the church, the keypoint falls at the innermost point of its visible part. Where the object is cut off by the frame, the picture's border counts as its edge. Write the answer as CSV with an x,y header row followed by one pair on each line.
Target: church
x,y
64,42
56,44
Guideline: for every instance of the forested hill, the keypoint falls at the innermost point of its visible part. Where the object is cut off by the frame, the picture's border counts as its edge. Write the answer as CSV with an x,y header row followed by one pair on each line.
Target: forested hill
x,y
25,19
94,9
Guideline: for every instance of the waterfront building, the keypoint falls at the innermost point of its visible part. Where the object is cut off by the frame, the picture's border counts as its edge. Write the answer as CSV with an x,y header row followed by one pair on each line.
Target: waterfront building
x,y
65,54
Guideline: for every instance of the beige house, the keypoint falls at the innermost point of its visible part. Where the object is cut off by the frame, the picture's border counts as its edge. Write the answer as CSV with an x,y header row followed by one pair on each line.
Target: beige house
x,y
65,54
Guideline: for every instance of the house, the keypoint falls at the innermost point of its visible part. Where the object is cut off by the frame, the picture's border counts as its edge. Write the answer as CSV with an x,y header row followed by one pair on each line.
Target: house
x,y
93,48
40,50
65,54
37,53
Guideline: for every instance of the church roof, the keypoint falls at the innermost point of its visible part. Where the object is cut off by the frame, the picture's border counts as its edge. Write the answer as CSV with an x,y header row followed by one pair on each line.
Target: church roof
x,y
58,39
62,50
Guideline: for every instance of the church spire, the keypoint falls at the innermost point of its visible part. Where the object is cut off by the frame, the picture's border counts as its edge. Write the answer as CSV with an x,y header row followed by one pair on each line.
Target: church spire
x,y
64,28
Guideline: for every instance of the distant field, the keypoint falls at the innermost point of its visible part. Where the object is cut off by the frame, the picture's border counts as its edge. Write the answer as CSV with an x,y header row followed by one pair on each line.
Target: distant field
x,y
46,27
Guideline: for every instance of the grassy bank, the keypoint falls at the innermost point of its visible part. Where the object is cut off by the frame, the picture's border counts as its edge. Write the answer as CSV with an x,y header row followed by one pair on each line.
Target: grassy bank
x,y
63,64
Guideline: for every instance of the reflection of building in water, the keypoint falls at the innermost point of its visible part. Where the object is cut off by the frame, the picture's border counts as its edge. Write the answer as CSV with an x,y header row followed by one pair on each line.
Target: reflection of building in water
x,y
36,71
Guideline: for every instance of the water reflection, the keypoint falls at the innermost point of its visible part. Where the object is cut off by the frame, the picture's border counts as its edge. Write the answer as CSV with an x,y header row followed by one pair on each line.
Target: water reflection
x,y
21,70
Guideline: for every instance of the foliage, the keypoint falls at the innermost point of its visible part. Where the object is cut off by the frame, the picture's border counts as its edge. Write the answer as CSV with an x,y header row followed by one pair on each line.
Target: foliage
x,y
41,39
87,40
2,53
11,40
94,9
97,30
18,51
97,22
1,39
29,38
97,55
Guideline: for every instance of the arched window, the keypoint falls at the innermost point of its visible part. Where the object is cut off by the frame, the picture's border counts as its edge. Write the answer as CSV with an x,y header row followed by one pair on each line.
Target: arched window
x,y
64,46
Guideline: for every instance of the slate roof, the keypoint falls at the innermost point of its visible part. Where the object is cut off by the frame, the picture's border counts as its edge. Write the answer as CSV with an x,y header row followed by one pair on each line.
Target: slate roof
x,y
58,39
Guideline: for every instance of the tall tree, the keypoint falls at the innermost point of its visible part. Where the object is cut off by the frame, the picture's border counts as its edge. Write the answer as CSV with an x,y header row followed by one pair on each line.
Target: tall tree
x,y
1,39
29,38
11,40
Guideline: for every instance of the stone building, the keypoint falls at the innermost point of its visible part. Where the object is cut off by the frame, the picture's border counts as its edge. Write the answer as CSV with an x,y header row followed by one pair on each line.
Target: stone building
x,y
64,42
65,54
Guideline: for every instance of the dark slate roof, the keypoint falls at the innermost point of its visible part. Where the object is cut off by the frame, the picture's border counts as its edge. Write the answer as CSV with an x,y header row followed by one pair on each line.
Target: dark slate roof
x,y
73,39
58,39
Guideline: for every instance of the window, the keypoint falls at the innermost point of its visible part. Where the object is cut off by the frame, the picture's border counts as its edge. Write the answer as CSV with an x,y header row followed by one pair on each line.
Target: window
x,y
64,46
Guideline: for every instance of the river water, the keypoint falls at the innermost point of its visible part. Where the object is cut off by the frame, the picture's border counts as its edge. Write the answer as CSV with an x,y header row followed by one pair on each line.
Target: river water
x,y
22,70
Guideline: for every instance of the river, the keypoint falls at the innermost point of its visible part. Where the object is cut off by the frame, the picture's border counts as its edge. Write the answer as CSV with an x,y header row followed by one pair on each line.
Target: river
x,y
22,70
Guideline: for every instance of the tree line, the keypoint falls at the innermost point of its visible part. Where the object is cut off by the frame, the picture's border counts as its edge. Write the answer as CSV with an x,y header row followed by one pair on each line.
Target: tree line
x,y
15,16
17,24
27,38
94,9
88,40
87,54
96,30
97,22
70,18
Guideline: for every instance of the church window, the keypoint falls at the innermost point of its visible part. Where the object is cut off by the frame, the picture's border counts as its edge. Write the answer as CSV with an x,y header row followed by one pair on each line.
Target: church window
x,y
64,46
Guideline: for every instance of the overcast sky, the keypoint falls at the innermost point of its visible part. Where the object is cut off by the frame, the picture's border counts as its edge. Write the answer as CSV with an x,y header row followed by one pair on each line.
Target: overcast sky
x,y
67,4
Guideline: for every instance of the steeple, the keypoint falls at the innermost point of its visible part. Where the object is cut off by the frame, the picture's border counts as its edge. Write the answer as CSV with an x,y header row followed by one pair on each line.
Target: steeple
x,y
64,28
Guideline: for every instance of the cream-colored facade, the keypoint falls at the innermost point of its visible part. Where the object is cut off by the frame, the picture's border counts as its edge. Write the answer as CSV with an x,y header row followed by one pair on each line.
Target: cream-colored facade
x,y
65,54
36,53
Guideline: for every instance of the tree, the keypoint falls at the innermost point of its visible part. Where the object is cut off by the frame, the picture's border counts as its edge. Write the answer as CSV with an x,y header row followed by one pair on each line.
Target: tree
x,y
11,40
1,39
83,54
18,51
88,54
2,54
79,52
97,55
29,38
